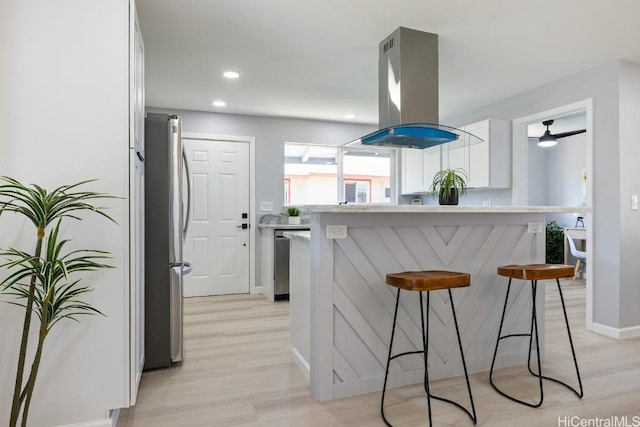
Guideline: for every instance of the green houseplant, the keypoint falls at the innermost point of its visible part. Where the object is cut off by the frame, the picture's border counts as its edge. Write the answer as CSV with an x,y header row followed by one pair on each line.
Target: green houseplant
x,y
294,214
448,185
554,243
46,284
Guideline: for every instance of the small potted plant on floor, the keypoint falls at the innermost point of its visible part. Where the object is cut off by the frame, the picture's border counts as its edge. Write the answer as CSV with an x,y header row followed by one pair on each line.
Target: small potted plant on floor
x,y
449,184
294,214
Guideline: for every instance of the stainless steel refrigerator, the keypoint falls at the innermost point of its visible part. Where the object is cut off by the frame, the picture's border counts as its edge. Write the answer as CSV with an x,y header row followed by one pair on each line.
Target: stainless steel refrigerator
x,y
167,202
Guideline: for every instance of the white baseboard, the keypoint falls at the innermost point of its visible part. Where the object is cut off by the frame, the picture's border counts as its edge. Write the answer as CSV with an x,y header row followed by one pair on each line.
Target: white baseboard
x,y
618,333
112,421
301,363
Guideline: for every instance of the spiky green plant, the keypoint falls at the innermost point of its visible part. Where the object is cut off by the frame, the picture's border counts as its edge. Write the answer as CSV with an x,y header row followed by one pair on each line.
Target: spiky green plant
x,y
446,180
42,208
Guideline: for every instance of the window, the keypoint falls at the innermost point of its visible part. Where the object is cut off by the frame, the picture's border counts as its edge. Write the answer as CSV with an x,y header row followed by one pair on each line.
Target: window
x,y
319,174
367,175
357,191
310,174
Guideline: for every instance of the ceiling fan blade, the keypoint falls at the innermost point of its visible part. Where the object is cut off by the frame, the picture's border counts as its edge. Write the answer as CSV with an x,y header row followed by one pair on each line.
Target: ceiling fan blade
x,y
573,132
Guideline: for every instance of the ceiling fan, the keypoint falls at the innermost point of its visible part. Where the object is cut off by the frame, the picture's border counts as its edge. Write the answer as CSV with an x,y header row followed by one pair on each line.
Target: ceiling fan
x,y
549,140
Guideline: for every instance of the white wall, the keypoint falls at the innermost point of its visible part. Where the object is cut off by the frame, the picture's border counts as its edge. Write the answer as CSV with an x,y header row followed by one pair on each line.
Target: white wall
x,y
537,174
629,184
64,118
565,162
614,89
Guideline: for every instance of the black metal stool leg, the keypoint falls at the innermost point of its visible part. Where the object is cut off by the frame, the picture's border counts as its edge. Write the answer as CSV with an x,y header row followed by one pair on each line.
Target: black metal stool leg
x,y
534,329
495,353
425,351
464,364
425,346
580,394
534,334
573,352
386,373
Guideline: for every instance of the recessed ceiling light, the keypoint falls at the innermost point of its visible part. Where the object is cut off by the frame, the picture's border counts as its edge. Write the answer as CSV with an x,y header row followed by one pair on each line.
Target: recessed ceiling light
x,y
219,103
231,74
349,116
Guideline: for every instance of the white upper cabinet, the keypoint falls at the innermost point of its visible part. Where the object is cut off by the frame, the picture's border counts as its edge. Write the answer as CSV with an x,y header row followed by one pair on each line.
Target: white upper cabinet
x,y
487,163
137,86
417,168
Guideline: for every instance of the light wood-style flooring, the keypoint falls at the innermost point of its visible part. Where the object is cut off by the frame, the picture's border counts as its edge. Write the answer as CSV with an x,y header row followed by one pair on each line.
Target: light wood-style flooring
x,y
238,372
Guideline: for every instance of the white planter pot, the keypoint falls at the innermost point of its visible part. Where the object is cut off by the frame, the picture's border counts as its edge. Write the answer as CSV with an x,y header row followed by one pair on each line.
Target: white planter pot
x,y
294,220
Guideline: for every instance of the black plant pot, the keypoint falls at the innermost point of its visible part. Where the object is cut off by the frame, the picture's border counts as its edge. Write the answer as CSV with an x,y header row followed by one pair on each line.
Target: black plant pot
x,y
448,199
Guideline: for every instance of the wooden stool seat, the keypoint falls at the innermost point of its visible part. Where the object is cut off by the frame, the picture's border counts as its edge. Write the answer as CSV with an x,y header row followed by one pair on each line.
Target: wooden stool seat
x,y
537,271
431,280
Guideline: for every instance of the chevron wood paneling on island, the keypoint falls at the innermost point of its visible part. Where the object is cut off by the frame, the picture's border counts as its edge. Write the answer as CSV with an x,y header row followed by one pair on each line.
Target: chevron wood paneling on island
x,y
352,307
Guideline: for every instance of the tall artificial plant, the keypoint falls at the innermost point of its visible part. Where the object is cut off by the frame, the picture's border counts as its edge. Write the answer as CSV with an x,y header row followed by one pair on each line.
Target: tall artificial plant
x,y
43,283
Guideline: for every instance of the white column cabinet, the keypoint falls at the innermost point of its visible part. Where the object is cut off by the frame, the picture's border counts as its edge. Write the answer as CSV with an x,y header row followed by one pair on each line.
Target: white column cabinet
x,y
136,205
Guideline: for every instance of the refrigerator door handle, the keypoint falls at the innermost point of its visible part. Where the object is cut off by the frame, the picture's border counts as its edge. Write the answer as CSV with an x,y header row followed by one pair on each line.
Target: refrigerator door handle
x,y
186,218
175,182
186,268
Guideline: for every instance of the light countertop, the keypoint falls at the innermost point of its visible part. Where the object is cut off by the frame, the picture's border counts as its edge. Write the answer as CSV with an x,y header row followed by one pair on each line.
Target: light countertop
x,y
385,208
301,235
285,226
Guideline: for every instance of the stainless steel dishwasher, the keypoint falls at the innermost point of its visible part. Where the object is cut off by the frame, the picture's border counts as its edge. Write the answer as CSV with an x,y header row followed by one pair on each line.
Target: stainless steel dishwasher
x,y
281,266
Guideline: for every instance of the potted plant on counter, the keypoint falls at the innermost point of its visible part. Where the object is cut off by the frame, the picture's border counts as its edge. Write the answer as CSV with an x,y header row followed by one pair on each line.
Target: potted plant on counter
x,y
449,184
294,214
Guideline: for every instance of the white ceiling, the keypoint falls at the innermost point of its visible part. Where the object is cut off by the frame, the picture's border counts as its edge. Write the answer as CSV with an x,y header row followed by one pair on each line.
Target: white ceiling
x,y
317,59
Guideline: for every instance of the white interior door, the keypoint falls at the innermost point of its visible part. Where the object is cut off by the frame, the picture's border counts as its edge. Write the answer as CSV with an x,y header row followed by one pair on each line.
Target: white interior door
x,y
216,243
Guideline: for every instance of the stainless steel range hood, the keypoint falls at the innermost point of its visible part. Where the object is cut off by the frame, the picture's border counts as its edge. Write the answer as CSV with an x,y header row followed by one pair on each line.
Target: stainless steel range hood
x,y
408,95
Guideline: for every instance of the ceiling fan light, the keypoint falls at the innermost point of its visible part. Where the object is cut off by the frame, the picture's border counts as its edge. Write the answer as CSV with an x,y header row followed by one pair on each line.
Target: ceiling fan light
x,y
547,141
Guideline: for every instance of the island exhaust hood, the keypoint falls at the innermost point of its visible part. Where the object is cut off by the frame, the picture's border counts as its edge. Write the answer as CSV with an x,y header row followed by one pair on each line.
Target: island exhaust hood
x,y
408,95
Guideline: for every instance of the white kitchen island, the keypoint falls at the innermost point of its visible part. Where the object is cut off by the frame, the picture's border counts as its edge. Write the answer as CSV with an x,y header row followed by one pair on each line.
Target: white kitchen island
x,y
352,307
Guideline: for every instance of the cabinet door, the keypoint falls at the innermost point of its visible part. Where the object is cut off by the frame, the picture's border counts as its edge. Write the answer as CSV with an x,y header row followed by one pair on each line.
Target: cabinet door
x,y
455,158
136,208
411,171
137,91
430,166
478,171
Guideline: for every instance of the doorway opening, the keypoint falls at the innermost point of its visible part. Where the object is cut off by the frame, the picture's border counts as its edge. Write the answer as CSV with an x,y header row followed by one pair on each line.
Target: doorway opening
x,y
522,175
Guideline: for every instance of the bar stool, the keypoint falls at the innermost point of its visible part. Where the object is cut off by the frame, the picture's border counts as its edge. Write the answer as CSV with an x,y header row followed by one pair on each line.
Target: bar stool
x,y
535,272
427,281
